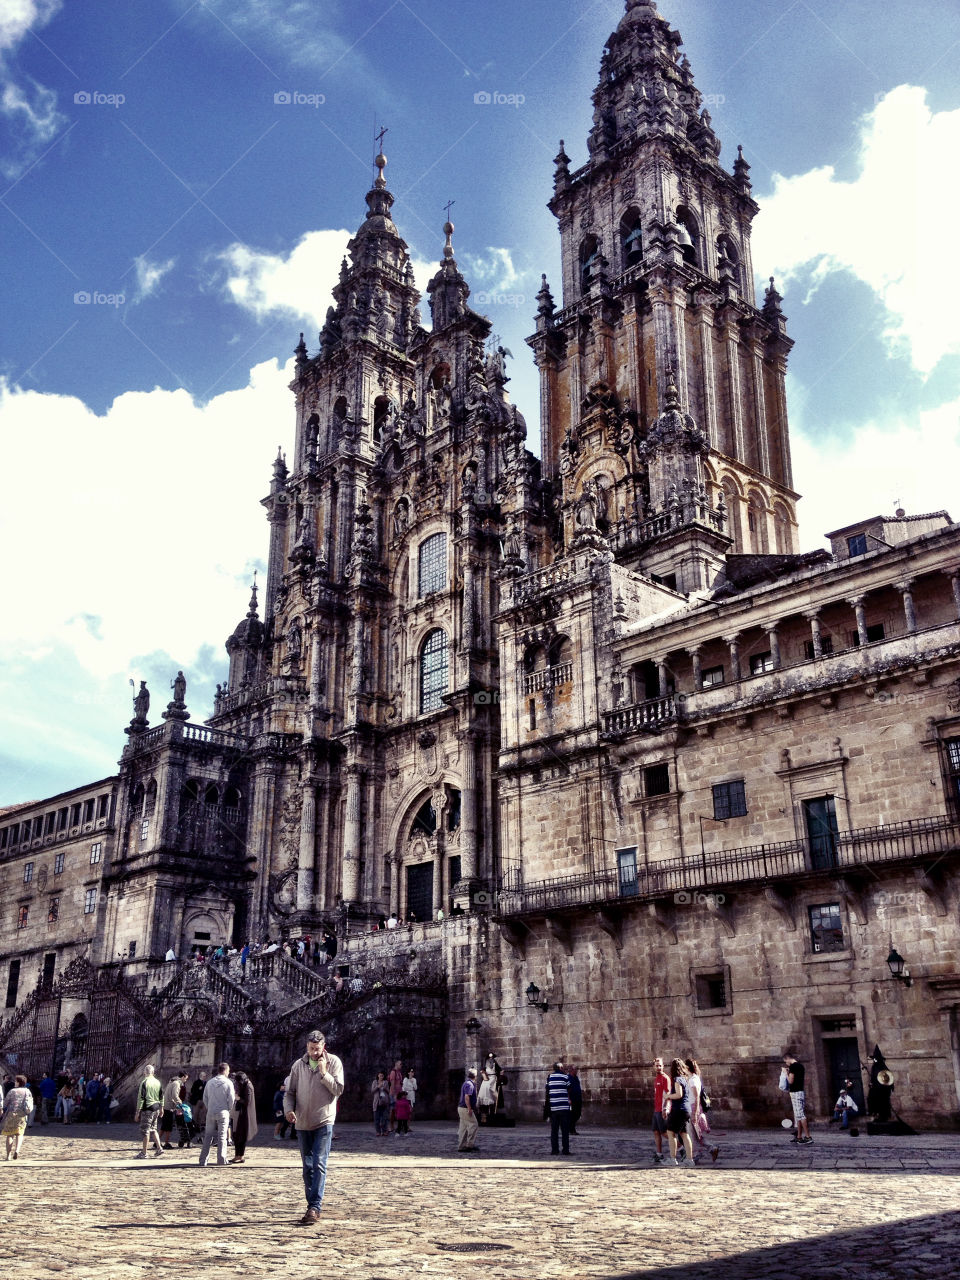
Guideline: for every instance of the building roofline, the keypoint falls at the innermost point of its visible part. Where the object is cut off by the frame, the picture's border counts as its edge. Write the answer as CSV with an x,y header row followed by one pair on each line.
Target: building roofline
x,y
59,795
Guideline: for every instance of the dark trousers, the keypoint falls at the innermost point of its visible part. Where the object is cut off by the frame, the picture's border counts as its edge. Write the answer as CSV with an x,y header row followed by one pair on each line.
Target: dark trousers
x,y
560,1127
575,1114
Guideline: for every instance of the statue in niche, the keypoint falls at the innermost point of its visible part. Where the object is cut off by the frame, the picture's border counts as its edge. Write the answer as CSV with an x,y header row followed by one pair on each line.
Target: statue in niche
x,y
401,518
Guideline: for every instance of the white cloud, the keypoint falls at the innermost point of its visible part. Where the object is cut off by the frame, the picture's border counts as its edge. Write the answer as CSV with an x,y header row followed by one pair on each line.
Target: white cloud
x,y
867,470
29,108
148,524
304,34
149,275
889,227
493,269
299,285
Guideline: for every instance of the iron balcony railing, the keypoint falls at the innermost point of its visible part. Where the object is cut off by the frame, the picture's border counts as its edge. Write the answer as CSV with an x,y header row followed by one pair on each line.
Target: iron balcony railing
x,y
918,838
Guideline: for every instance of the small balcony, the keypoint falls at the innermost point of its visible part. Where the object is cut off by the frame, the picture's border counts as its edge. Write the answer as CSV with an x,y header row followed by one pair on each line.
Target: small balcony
x,y
643,717
548,678
909,842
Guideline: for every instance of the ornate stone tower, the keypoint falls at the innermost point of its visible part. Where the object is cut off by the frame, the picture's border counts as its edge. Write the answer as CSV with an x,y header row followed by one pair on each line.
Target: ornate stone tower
x,y
369,693
663,408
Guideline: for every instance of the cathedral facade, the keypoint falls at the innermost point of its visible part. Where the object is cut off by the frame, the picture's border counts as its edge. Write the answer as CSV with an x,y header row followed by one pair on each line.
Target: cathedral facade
x,y
637,775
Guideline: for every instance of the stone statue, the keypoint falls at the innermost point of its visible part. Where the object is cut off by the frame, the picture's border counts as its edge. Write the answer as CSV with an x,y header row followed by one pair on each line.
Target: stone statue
x,y
141,703
179,689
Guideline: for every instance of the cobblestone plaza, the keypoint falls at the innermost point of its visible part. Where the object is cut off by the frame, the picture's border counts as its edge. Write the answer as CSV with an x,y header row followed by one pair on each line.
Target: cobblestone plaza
x,y
78,1203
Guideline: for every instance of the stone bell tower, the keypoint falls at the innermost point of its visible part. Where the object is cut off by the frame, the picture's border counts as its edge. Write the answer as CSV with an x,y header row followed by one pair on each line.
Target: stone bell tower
x,y
662,383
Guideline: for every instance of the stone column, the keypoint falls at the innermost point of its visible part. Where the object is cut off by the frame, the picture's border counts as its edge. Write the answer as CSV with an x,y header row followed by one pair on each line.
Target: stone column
x,y
955,588
731,335
909,611
774,640
816,634
707,365
437,876
395,864
308,845
661,665
760,408
733,644
468,808
697,668
350,878
856,603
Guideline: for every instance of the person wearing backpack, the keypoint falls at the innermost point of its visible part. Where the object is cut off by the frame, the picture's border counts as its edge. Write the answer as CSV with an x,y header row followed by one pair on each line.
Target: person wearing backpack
x,y
699,1124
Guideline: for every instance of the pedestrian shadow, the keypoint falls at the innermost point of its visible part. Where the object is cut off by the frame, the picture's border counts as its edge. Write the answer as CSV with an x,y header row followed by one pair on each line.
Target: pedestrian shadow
x,y
178,1225
887,1251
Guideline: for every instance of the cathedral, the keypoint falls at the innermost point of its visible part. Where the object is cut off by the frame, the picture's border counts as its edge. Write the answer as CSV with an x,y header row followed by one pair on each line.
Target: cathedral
x,y
630,773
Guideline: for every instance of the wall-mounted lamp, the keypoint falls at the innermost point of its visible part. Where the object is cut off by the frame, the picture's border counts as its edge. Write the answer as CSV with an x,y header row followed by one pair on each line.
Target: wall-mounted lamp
x,y
472,1026
533,998
898,967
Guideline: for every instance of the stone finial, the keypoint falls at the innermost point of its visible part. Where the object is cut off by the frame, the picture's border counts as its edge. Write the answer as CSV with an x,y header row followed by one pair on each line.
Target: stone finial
x,y
300,351
672,395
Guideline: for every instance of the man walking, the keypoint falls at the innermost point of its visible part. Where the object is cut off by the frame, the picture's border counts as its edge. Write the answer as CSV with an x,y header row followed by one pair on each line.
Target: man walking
x,y
661,1087
796,1072
48,1098
558,1105
467,1111
310,1102
219,1096
149,1105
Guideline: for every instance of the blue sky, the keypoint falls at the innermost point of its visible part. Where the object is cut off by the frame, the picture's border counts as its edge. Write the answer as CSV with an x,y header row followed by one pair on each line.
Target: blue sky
x,y
147,163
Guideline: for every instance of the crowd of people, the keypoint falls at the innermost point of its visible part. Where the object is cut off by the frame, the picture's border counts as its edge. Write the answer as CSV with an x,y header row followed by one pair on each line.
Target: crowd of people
x,y
314,951
394,1097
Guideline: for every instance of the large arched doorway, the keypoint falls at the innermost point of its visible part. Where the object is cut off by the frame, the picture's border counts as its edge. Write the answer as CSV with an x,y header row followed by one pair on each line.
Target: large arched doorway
x,y
430,854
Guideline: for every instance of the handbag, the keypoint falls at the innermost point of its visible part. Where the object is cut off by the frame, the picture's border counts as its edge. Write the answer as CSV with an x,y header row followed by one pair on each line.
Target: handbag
x,y
705,1103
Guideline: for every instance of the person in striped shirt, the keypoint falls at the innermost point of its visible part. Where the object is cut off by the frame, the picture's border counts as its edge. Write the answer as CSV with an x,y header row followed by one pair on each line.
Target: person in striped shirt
x,y
559,1109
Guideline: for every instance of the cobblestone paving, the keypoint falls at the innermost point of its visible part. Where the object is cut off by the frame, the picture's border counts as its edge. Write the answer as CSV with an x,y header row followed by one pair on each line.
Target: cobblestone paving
x,y
78,1203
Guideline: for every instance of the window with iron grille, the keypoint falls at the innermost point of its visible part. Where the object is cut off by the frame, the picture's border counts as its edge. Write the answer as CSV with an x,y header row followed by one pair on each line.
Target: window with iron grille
x,y
89,901
433,672
27,872
826,927
23,916
711,990
953,768
58,864
53,911
729,800
656,780
432,574
95,852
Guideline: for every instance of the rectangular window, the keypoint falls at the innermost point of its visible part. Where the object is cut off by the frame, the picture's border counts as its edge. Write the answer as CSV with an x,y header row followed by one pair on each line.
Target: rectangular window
x,y
23,915
711,990
627,872
4,837
37,828
95,851
712,676
48,824
760,662
953,768
432,564
729,800
876,631
53,911
58,864
13,983
28,873
89,901
857,545
49,969
131,950
75,815
88,810
826,927
201,937
62,817
102,803
826,646
656,780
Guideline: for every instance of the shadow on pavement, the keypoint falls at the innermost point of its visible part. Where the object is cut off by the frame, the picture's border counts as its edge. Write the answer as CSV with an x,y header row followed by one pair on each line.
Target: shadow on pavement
x,y
917,1247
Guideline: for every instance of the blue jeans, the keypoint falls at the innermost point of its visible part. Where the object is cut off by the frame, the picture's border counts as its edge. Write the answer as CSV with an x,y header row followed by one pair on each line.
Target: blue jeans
x,y
314,1150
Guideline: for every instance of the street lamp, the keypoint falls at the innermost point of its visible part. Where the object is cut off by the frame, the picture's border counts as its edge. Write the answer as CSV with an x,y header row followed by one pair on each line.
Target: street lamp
x,y
533,998
472,1026
898,967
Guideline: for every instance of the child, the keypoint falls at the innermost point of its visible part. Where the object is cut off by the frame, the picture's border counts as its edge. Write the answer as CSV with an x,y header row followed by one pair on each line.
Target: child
x,y
403,1111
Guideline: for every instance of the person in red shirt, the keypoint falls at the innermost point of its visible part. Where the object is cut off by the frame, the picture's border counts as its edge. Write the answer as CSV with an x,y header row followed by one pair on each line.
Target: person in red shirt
x,y
661,1087
395,1081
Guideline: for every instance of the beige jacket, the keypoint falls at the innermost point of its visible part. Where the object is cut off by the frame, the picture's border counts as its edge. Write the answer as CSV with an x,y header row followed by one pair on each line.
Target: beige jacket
x,y
312,1095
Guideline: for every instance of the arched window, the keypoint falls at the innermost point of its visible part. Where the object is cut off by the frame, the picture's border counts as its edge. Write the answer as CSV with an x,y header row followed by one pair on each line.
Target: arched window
x,y
757,524
211,795
434,667
440,377
731,498
432,564
631,240
689,237
728,253
231,798
589,262
425,823
535,658
561,652
340,408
